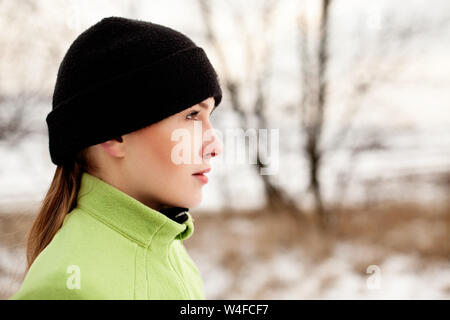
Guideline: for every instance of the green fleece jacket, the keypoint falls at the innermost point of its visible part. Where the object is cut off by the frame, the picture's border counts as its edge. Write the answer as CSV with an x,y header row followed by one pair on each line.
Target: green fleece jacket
x,y
111,246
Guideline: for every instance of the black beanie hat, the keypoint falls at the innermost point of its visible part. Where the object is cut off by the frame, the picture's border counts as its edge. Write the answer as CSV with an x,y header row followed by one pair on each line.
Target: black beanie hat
x,y
121,75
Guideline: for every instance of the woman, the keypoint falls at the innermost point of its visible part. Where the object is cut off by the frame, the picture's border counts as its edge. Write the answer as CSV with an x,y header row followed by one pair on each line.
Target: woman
x,y
112,223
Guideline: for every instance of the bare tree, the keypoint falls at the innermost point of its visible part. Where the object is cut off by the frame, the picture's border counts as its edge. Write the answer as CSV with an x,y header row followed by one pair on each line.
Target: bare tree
x,y
385,62
13,109
28,86
276,197
313,101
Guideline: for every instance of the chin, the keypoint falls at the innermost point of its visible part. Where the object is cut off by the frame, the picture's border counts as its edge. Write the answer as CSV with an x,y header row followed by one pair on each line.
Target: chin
x,y
191,201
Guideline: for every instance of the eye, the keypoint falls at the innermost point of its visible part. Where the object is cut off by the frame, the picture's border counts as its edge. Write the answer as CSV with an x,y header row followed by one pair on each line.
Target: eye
x,y
190,115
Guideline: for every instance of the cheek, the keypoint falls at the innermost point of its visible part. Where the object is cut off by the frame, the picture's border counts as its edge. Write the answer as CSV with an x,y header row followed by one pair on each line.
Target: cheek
x,y
155,155
153,170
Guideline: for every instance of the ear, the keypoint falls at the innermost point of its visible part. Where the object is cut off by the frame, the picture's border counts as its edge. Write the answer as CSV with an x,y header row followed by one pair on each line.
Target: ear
x,y
115,147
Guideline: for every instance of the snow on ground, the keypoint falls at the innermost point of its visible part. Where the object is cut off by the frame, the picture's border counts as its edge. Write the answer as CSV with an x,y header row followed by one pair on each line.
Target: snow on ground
x,y
12,265
262,258
291,275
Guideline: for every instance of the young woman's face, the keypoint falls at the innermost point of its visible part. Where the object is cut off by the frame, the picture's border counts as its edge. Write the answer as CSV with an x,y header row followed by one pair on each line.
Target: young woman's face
x,y
155,165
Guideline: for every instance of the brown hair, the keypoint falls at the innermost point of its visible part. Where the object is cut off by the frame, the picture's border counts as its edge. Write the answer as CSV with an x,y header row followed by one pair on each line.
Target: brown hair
x,y
60,199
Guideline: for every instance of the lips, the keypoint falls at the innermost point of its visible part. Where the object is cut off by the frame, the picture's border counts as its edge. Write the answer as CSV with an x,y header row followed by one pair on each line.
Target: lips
x,y
200,175
203,171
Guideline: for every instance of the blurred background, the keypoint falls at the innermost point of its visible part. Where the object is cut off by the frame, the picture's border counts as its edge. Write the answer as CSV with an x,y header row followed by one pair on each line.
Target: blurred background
x,y
359,94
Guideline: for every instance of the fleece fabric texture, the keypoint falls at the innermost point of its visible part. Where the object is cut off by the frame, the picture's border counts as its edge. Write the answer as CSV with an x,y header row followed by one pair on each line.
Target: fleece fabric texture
x,y
121,75
111,246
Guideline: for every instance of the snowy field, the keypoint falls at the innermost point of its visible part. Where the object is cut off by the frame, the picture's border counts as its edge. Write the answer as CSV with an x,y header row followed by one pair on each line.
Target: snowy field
x,y
240,259
287,275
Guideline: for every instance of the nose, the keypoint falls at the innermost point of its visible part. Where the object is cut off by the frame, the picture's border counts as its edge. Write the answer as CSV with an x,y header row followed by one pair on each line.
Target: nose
x,y
213,148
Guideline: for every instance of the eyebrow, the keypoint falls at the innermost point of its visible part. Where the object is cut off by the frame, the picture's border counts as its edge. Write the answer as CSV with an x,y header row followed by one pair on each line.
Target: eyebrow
x,y
206,106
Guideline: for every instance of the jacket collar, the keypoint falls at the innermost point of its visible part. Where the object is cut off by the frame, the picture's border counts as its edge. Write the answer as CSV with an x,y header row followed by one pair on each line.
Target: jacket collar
x,y
131,217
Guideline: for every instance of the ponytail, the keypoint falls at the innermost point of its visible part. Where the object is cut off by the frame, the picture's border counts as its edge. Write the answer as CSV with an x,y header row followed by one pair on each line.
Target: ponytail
x,y
60,199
